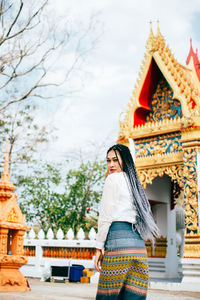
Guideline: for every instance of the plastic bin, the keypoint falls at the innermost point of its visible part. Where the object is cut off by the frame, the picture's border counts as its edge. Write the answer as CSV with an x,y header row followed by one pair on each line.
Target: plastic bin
x,y
76,272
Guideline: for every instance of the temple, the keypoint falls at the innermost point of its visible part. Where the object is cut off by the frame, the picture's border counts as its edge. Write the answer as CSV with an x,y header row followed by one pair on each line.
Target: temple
x,y
163,119
12,229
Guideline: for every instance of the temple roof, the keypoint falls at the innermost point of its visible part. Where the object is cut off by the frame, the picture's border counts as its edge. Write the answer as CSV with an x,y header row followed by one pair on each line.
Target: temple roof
x,y
184,81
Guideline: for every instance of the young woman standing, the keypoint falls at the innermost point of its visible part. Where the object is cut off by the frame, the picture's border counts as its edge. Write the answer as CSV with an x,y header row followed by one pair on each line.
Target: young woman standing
x,y
125,221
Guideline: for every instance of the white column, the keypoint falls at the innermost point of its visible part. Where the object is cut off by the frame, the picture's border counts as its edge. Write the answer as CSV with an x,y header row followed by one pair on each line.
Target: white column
x,y
38,259
171,258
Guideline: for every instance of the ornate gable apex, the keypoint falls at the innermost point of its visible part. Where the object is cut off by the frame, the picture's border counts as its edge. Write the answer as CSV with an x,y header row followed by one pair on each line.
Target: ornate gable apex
x,y
159,59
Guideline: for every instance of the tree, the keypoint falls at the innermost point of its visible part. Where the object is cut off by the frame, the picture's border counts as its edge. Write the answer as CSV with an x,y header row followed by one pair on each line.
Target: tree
x,y
53,199
38,56
32,46
83,190
24,133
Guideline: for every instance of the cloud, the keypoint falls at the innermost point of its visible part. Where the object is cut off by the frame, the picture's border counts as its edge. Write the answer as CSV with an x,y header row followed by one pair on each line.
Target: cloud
x,y
112,69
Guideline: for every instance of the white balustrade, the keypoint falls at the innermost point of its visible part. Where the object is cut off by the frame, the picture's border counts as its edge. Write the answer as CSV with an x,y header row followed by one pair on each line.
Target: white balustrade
x,y
92,234
31,234
70,234
50,234
41,234
81,234
60,234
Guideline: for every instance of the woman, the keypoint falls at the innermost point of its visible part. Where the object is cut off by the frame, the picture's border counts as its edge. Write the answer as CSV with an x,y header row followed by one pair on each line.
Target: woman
x,y
125,220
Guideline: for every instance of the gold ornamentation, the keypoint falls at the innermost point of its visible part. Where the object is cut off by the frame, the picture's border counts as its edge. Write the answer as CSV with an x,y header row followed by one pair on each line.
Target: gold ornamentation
x,y
160,38
192,247
146,176
161,127
12,217
127,125
163,106
160,247
190,192
152,42
159,146
160,160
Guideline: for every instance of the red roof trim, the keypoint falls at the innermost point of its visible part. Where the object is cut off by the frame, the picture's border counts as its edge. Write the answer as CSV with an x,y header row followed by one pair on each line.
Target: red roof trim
x,y
194,55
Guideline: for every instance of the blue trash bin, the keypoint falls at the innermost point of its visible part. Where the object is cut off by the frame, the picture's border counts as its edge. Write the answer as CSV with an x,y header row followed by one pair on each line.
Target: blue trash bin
x,y
76,272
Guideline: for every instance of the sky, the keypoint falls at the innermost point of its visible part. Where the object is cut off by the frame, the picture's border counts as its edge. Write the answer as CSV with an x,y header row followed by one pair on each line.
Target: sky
x,y
111,69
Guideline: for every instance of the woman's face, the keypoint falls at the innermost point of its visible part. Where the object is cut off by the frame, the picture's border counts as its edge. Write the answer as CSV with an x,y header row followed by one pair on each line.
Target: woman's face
x,y
114,164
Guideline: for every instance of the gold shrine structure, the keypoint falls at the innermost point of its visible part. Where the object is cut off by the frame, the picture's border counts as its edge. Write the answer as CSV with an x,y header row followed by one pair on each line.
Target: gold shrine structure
x,y
163,119
12,230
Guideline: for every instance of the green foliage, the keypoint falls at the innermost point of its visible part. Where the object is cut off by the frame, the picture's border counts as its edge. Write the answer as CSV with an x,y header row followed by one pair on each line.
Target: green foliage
x,y
83,190
53,199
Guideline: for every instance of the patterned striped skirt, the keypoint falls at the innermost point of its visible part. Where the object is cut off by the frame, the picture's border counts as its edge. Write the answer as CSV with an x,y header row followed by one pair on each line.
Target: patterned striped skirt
x,y
124,271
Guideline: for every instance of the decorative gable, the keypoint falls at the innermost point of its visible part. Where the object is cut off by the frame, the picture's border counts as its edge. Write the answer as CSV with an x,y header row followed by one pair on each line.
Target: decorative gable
x,y
179,102
163,106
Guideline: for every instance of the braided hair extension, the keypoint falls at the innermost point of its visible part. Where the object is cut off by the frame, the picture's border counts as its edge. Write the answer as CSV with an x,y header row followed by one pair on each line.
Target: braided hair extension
x,y
144,218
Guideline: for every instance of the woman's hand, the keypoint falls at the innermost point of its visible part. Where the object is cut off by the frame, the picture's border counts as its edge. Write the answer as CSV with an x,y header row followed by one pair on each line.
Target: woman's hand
x,y
98,259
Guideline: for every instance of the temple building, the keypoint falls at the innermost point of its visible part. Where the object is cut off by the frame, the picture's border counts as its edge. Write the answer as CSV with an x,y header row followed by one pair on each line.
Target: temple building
x,y
163,120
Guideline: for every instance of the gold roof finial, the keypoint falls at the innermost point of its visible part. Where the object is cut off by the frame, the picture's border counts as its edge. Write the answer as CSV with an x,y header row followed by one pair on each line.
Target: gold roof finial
x,y
158,27
159,36
151,44
151,29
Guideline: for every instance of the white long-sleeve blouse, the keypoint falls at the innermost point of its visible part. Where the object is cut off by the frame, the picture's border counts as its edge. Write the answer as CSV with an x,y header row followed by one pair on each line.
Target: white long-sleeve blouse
x,y
116,205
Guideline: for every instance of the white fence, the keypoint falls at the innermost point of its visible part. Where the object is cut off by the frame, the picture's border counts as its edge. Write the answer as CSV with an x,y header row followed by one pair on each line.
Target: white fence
x,y
56,251
44,252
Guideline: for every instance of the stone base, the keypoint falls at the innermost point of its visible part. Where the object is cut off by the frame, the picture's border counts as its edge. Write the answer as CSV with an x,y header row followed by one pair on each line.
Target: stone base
x,y
12,280
191,270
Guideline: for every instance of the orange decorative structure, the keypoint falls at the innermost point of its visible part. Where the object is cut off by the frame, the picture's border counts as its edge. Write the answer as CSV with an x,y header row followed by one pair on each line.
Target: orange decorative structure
x,y
12,229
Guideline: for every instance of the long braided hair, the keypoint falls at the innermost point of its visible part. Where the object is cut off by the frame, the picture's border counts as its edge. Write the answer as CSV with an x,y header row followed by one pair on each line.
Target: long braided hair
x,y
145,223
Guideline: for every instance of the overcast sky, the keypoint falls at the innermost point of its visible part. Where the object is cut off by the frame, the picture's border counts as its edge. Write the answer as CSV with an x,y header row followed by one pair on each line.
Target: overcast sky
x,y
112,68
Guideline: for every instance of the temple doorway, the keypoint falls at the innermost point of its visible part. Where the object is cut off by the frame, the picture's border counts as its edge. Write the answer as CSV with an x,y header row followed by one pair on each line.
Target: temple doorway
x,y
161,197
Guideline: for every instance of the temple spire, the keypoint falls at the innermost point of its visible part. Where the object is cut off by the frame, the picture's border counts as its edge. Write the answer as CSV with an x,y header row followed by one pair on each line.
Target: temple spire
x,y
6,163
6,187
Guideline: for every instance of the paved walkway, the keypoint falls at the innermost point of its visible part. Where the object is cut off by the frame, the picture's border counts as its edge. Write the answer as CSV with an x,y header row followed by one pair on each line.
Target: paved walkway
x,y
77,291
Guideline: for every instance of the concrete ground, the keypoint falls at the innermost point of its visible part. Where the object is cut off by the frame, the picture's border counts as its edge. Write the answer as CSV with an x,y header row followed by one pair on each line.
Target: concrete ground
x,y
77,291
